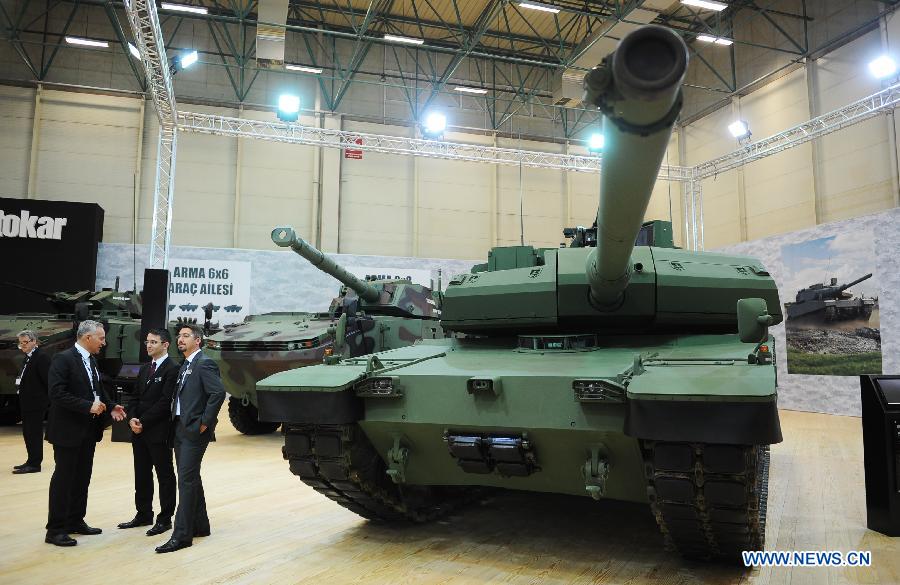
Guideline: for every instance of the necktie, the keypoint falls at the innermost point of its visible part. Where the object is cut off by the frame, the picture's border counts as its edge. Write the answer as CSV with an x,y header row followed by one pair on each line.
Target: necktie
x,y
152,371
25,365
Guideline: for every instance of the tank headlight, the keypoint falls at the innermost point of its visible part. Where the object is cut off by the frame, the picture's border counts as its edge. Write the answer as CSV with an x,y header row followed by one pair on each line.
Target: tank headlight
x,y
379,387
212,344
601,390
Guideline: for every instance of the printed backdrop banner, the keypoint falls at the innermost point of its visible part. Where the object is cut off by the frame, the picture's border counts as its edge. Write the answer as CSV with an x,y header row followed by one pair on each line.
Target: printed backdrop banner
x,y
51,246
195,283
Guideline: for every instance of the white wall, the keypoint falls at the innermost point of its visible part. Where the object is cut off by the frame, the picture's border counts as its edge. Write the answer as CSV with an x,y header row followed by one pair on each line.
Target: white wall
x,y
841,175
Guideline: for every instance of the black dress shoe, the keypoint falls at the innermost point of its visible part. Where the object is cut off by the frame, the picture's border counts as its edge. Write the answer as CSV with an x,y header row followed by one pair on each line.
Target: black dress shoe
x,y
60,540
20,466
159,528
172,545
83,528
135,522
27,469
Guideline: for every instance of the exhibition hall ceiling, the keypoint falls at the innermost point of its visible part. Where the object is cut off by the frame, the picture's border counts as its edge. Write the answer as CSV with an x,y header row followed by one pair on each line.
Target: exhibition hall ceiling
x,y
503,59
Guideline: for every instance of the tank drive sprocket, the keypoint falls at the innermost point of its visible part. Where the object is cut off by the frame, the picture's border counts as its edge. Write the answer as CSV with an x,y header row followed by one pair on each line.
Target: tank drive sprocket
x,y
339,462
245,418
709,500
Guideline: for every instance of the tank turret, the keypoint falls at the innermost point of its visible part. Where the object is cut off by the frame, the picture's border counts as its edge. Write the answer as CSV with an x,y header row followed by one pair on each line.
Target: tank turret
x,y
822,292
385,297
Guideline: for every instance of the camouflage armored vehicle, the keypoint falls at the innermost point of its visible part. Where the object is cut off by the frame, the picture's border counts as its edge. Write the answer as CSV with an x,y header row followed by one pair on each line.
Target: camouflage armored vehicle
x,y
823,303
366,316
634,373
119,311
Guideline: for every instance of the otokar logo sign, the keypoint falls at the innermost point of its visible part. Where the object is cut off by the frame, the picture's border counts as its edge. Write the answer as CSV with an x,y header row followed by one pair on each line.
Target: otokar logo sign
x,y
25,225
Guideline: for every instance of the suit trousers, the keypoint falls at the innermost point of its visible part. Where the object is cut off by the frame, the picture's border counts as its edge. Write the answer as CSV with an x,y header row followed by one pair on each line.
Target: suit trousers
x,y
33,433
191,516
69,485
147,457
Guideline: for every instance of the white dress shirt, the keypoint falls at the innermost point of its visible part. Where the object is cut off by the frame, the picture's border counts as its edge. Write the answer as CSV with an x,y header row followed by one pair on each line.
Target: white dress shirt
x,y
86,360
24,367
188,361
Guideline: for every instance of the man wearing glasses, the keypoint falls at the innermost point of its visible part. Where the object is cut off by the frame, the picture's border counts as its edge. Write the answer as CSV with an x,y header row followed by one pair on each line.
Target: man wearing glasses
x,y
150,424
31,385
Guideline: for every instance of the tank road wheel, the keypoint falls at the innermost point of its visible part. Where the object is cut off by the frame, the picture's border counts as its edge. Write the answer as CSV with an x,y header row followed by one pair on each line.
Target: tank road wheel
x,y
339,462
709,500
245,418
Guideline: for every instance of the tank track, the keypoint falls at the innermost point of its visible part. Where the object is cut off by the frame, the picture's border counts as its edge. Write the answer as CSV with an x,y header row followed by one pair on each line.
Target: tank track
x,y
709,500
244,419
339,462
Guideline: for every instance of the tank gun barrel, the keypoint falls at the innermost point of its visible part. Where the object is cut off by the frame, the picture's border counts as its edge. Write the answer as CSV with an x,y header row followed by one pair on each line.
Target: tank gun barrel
x,y
285,237
638,89
29,289
844,287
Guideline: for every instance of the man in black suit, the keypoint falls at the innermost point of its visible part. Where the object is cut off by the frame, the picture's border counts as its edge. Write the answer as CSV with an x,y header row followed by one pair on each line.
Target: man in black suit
x,y
150,428
74,427
198,397
31,384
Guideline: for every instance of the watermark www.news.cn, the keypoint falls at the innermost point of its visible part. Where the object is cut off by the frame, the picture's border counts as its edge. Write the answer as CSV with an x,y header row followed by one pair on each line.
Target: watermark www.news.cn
x,y
807,558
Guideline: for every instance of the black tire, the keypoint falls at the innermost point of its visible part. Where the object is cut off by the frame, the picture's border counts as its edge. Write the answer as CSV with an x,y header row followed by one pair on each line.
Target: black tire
x,y
9,410
9,419
246,419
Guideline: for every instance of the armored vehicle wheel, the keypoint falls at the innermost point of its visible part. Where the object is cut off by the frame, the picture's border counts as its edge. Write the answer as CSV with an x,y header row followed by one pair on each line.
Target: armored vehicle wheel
x,y
9,418
709,500
9,410
339,462
245,419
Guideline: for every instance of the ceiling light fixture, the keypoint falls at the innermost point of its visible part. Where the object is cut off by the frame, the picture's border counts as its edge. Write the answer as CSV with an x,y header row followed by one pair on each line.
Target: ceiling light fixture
x,y
883,67
407,40
476,90
86,42
739,129
288,107
303,68
716,40
134,51
539,6
706,4
183,8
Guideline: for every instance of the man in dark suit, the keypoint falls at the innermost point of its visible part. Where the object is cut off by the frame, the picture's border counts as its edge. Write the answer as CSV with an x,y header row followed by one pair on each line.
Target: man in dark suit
x,y
75,425
198,397
31,384
150,429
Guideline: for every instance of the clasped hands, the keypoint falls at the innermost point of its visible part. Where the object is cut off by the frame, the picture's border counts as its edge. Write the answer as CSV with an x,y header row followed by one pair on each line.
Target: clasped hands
x,y
117,413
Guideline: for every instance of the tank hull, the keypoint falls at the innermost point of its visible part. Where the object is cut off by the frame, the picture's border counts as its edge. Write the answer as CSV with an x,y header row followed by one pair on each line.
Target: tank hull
x,y
735,402
827,311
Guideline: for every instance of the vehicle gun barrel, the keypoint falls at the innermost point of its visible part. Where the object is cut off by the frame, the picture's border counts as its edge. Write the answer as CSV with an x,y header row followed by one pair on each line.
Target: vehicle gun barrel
x,y
638,89
29,289
285,237
844,287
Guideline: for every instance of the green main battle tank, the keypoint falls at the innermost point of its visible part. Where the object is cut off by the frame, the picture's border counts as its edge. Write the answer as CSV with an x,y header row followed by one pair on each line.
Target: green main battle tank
x,y
819,304
367,316
603,369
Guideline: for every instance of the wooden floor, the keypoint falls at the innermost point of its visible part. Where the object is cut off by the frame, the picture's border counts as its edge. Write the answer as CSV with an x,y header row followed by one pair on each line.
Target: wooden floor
x,y
269,528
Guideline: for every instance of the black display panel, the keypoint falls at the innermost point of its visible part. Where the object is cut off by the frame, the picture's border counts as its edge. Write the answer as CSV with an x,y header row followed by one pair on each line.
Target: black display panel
x,y
49,246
